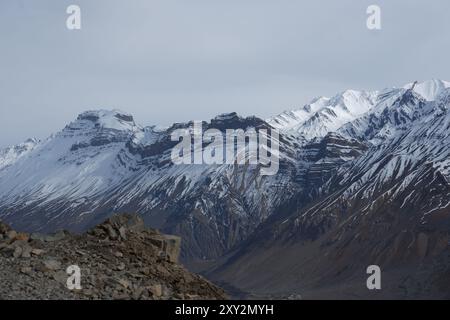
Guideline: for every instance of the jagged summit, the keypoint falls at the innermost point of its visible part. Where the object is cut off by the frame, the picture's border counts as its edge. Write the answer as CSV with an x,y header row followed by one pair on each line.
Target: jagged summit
x,y
12,154
429,89
104,119
323,115
227,116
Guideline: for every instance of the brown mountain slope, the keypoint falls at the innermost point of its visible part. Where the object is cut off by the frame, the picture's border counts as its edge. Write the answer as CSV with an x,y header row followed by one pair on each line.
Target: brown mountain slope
x,y
323,251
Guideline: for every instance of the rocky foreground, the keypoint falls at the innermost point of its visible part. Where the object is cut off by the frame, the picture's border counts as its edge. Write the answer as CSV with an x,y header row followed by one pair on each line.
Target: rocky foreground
x,y
119,259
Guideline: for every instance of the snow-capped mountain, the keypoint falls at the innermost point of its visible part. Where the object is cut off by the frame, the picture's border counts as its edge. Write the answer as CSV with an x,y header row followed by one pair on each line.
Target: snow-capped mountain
x,y
356,160
103,162
323,115
389,207
430,90
11,154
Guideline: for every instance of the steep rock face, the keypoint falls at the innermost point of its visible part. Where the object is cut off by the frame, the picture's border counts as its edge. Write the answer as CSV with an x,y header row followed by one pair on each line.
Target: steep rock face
x,y
327,155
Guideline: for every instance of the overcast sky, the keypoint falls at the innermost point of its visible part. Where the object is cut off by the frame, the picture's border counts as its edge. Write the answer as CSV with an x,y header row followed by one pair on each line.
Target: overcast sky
x,y
169,61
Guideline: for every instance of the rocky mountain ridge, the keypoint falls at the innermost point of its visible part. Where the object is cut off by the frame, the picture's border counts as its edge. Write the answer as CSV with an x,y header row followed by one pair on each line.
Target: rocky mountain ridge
x,y
119,259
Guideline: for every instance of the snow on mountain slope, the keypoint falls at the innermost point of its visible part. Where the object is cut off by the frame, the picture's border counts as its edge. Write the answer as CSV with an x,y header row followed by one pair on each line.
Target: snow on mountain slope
x,y
407,162
103,163
10,155
389,207
290,119
77,162
324,115
394,109
413,158
430,89
341,109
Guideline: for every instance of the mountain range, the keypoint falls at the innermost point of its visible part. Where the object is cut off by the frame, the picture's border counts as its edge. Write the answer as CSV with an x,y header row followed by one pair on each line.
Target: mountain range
x,y
363,180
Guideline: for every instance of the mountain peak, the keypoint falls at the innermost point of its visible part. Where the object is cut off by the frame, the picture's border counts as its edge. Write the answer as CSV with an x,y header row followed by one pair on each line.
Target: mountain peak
x,y
323,115
234,121
11,154
101,115
105,119
429,89
31,141
226,116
